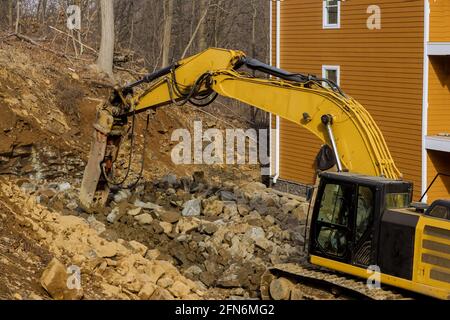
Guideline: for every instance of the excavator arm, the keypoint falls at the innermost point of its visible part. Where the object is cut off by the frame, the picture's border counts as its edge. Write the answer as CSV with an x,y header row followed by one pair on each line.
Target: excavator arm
x,y
318,105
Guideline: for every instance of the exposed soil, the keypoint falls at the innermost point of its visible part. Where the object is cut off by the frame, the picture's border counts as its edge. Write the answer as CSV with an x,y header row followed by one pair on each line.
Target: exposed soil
x,y
48,108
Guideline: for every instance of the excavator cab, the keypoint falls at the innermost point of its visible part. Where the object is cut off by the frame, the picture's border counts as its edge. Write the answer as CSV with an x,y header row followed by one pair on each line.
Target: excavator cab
x,y
348,213
364,223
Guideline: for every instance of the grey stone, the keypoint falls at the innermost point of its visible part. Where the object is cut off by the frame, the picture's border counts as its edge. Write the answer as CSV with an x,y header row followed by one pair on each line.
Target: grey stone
x,y
147,205
170,179
112,216
192,208
96,225
72,205
193,270
64,186
227,195
122,195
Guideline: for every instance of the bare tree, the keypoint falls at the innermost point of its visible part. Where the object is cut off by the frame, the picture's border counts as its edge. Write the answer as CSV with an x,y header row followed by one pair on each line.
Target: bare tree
x,y
202,34
10,13
42,9
106,54
199,24
18,17
167,32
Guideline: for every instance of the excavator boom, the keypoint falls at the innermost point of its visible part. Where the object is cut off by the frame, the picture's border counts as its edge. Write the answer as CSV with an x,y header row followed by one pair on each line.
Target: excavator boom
x,y
316,104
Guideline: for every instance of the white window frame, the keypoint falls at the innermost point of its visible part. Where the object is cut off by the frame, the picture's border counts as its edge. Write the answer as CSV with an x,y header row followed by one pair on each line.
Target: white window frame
x,y
332,67
325,23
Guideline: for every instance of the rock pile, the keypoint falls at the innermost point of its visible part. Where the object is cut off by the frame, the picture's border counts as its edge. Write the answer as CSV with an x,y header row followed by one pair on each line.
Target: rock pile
x,y
122,269
222,235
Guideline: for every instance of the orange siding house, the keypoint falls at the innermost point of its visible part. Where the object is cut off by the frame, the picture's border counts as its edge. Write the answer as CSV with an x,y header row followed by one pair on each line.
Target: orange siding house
x,y
393,56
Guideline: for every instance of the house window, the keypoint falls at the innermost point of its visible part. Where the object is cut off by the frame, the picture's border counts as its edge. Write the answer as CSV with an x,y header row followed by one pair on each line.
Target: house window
x,y
331,14
331,73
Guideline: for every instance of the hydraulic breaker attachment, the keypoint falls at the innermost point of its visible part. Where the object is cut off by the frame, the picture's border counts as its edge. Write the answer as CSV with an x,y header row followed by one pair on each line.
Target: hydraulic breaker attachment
x,y
94,187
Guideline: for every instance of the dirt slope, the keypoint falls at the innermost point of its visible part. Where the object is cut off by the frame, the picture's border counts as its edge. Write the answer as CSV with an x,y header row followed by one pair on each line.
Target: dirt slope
x,y
210,231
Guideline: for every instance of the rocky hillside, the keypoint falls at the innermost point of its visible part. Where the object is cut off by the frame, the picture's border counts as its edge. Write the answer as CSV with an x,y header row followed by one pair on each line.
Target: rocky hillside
x,y
186,232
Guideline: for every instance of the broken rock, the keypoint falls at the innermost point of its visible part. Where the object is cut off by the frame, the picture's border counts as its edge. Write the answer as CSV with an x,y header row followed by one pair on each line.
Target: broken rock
x,y
165,282
290,205
169,216
122,195
179,289
280,289
192,208
134,212
161,294
185,225
167,227
230,208
147,205
301,212
107,250
54,281
138,247
147,291
212,207
111,218
144,218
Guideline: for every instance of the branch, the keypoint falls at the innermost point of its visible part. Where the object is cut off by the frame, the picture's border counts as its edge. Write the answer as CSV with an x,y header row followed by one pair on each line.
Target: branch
x,y
76,40
29,40
195,33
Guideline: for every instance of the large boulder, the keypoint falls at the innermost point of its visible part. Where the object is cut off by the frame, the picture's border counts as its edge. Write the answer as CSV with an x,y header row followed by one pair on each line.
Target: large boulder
x,y
289,205
254,187
55,281
280,289
301,212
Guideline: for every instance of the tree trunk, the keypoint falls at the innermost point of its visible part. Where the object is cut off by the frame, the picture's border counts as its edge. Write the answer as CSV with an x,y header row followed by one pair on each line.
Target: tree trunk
x,y
106,54
10,13
17,29
167,32
43,6
202,36
254,110
197,28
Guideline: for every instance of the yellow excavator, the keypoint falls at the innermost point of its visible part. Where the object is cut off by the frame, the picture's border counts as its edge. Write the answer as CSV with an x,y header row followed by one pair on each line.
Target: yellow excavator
x,y
361,225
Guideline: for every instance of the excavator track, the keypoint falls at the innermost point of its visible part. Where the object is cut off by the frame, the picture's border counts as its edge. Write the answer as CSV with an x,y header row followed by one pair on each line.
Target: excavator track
x,y
313,277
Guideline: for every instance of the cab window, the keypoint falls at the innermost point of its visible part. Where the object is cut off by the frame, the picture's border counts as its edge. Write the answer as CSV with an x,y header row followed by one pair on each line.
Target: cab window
x,y
364,211
440,211
333,219
335,205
